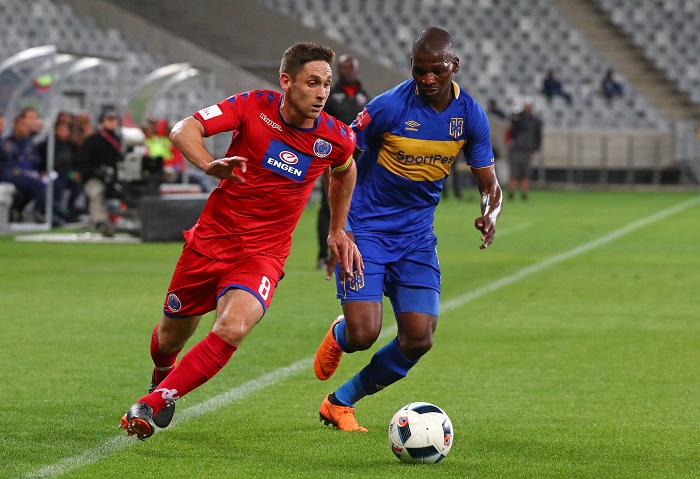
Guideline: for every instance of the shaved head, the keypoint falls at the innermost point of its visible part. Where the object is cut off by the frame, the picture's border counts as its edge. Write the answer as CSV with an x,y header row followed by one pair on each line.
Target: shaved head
x,y
435,41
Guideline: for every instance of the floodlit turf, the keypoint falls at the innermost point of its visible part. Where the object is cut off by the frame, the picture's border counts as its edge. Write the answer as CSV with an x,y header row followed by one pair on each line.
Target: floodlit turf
x,y
569,349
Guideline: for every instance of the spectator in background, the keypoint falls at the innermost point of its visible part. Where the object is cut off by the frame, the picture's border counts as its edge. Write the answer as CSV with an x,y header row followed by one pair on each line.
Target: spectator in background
x,y
524,138
551,87
97,158
18,166
67,177
495,110
35,123
2,124
346,100
158,145
610,86
81,128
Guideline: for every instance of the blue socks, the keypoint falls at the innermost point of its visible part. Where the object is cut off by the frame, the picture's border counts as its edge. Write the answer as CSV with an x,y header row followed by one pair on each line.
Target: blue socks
x,y
339,333
387,366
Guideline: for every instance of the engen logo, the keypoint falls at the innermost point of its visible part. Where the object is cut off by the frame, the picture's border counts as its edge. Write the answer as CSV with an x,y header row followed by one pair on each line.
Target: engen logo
x,y
289,157
283,160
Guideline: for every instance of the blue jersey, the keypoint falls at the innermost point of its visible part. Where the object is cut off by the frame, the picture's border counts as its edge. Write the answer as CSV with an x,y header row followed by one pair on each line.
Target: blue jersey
x,y
408,150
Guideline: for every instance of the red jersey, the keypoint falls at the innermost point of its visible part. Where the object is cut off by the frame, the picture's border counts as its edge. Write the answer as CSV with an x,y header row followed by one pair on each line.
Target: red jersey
x,y
259,216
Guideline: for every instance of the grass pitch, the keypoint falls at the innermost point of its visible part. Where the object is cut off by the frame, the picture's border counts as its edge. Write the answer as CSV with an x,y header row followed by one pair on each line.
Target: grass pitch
x,y
569,349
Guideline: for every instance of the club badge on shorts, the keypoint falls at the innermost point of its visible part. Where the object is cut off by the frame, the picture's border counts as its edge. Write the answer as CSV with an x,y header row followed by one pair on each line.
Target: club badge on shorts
x,y
174,303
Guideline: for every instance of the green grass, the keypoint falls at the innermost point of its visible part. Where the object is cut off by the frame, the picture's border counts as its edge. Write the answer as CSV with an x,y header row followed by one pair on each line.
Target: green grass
x,y
585,367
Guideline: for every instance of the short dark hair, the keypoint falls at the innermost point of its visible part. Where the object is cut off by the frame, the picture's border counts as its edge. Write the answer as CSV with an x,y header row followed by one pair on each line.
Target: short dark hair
x,y
433,40
301,53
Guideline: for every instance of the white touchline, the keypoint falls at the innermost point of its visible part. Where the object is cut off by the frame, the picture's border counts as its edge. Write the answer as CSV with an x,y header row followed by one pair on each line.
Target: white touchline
x,y
116,444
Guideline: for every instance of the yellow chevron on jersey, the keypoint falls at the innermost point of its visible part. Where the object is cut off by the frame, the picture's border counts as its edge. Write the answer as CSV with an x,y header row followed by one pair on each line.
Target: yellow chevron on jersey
x,y
417,159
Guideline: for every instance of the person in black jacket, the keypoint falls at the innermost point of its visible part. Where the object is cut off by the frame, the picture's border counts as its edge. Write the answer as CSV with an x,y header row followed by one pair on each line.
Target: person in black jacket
x,y
98,158
524,137
347,99
67,177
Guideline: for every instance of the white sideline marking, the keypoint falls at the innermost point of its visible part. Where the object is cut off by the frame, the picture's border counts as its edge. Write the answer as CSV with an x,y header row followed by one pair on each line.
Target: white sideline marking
x,y
116,444
511,230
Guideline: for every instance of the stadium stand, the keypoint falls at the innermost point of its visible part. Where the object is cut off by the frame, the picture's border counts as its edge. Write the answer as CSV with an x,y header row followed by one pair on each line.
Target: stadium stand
x,y
41,22
505,48
668,32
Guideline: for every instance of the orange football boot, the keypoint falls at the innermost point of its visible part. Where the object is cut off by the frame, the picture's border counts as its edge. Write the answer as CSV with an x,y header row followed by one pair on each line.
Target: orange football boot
x,y
328,354
342,417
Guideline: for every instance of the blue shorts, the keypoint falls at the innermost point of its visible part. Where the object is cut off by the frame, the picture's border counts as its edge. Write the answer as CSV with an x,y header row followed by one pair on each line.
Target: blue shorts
x,y
405,269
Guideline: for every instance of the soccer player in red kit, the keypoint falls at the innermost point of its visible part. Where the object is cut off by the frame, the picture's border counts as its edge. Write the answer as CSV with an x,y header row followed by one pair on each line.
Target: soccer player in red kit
x,y
234,255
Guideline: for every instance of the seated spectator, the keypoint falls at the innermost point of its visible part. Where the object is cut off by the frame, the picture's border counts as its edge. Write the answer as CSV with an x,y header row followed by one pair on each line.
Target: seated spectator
x,y
551,87
18,165
34,121
611,86
2,123
97,158
67,178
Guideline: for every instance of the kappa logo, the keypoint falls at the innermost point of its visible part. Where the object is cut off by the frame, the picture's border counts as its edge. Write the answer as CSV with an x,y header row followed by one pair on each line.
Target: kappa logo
x,y
169,395
412,125
273,124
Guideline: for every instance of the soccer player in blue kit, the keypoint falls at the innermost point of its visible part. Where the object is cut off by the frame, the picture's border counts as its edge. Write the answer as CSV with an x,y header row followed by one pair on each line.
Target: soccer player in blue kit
x,y
408,139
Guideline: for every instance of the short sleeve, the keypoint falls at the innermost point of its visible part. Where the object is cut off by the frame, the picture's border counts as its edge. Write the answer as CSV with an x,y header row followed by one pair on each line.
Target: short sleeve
x,y
223,116
478,150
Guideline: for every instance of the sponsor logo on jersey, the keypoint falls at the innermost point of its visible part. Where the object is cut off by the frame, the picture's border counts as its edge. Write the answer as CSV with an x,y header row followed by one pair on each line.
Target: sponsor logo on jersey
x,y
174,303
456,127
271,123
412,125
286,161
362,119
402,157
210,112
289,157
322,148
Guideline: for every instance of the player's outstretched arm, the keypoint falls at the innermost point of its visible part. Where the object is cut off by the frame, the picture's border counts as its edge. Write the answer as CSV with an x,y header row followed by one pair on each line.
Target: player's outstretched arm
x,y
188,136
344,249
491,202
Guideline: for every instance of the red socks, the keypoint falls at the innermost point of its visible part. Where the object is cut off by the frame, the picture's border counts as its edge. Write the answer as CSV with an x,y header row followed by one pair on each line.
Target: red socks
x,y
164,362
196,367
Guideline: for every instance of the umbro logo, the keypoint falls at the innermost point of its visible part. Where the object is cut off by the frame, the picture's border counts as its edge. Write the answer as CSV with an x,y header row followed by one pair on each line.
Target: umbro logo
x,y
412,125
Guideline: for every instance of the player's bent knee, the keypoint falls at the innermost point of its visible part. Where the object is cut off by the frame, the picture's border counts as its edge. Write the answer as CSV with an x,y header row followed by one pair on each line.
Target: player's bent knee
x,y
415,348
362,339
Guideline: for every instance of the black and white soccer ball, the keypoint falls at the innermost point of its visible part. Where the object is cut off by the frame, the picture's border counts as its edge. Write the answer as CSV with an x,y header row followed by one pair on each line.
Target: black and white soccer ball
x,y
420,432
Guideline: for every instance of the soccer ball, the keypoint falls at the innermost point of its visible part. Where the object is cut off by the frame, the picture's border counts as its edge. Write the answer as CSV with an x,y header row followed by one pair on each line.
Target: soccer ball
x,y
420,432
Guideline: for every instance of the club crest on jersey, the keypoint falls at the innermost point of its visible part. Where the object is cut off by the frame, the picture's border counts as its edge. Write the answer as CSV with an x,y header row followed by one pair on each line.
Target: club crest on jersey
x,y
322,148
286,161
456,127
174,303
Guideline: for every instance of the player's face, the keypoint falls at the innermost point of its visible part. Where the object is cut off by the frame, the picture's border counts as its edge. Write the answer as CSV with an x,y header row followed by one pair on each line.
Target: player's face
x,y
306,94
433,75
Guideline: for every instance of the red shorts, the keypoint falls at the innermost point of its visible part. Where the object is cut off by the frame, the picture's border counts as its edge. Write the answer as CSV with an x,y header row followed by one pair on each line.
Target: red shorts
x,y
199,281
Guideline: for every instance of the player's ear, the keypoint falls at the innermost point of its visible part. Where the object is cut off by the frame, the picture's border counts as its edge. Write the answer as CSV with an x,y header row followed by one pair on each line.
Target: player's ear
x,y
455,65
285,81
